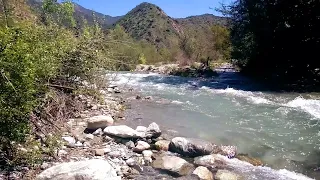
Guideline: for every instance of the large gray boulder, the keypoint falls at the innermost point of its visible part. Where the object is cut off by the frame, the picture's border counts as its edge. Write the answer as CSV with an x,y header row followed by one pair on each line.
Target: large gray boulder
x,y
87,170
153,131
173,164
191,147
122,131
97,122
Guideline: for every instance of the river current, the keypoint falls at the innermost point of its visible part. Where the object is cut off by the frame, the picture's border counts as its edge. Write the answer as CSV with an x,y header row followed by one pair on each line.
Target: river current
x,y
281,128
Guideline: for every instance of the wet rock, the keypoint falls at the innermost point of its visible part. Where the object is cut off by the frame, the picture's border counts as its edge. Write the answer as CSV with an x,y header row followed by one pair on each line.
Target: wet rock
x,y
162,145
203,173
90,169
99,152
227,175
141,146
173,164
189,177
153,131
97,132
212,161
191,147
97,122
122,131
251,160
70,140
229,151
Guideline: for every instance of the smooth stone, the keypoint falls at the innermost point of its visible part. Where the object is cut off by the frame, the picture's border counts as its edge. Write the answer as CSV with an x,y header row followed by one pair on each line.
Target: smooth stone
x,y
78,144
147,155
153,131
130,144
141,146
114,154
98,132
203,173
209,161
70,140
191,147
97,122
122,131
131,162
99,152
227,175
162,145
91,169
141,129
173,164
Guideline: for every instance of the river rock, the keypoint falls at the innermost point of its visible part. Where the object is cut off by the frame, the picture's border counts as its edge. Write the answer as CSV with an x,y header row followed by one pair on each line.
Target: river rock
x,y
97,122
99,152
162,145
173,164
229,151
89,136
251,160
122,131
203,173
191,147
141,146
227,175
129,144
97,132
70,140
141,129
147,155
210,161
90,169
153,131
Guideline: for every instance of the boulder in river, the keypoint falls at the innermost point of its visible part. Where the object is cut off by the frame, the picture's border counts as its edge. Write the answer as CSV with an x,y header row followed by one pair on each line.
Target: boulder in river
x,y
251,160
122,131
191,147
91,169
212,160
153,131
162,145
227,175
203,173
173,164
97,122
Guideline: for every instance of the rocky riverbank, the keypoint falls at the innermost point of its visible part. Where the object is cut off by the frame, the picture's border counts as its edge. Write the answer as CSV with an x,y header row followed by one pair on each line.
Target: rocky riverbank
x,y
96,145
196,70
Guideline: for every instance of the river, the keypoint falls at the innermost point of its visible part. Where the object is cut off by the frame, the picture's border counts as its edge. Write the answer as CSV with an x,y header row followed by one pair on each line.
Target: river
x,y
281,128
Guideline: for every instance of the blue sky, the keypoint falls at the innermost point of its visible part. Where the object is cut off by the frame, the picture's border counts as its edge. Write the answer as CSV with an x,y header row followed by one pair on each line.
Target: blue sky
x,y
174,8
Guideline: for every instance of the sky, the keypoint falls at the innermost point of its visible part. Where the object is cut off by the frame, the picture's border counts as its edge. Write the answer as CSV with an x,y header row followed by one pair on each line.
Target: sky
x,y
174,8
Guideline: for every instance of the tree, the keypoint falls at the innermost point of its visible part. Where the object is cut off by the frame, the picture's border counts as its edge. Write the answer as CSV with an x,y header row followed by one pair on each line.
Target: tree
x,y
276,38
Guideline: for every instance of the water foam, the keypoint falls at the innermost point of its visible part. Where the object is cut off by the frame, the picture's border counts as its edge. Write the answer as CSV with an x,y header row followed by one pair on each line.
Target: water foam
x,y
310,106
258,172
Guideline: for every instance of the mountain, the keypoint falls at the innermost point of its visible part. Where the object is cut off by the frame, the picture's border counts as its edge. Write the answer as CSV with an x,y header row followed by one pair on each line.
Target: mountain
x,y
149,22
82,13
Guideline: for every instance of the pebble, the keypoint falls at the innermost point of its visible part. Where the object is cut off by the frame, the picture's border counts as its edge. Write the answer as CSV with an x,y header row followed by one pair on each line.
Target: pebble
x,y
89,136
97,132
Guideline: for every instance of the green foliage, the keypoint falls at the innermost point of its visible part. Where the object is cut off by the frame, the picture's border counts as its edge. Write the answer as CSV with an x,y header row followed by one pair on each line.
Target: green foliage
x,y
222,43
276,38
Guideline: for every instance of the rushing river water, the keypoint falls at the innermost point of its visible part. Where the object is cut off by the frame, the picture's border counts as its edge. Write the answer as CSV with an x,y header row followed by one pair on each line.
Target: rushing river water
x,y
280,128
